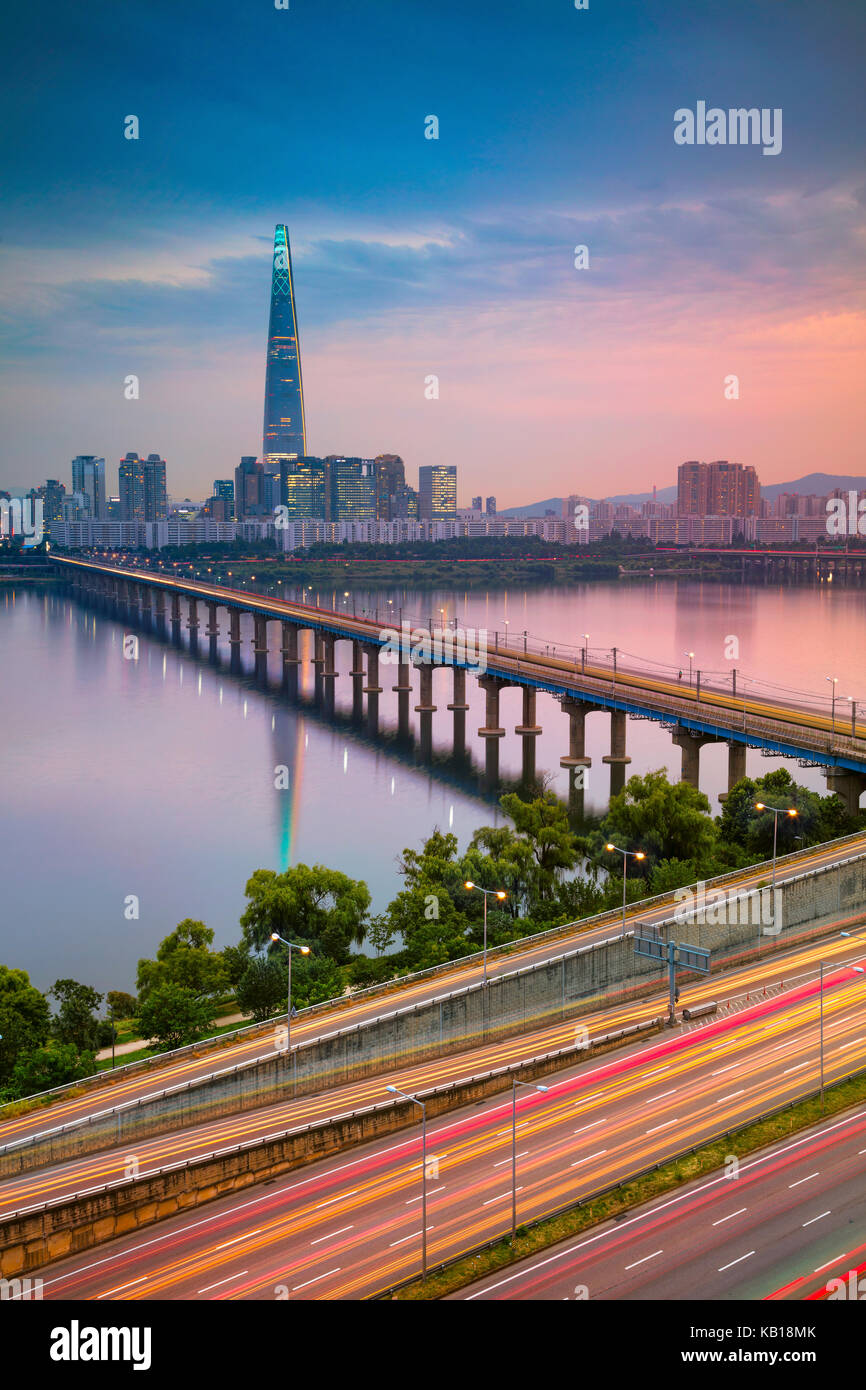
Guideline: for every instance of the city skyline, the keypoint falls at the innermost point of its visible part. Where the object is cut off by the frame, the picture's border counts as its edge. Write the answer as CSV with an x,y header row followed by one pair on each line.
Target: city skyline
x,y
702,263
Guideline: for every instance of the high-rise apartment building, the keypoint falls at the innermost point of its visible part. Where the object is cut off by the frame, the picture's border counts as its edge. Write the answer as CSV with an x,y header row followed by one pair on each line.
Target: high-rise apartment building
x,y
350,488
52,493
490,506
476,504
224,488
249,488
717,489
88,478
390,478
142,486
437,492
284,428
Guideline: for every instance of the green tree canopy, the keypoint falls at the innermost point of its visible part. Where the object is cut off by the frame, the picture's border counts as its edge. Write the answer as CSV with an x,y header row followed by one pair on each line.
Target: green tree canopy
x,y
262,990
42,1068
25,1017
76,1020
121,1004
818,818
316,907
184,958
543,825
667,820
174,1015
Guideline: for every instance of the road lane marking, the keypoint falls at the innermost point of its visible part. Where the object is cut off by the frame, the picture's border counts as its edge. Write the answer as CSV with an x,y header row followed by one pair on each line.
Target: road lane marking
x,y
587,1159
656,1128
798,1067
722,1070
799,1180
663,1096
237,1238
499,1164
110,1292
818,1218
585,1127
500,1198
730,1216
430,1191
736,1262
239,1275
836,1261
731,1096
316,1280
341,1231
644,1260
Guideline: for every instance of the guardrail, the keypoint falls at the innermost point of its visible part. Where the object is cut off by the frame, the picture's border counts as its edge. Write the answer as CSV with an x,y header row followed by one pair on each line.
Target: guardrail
x,y
612,917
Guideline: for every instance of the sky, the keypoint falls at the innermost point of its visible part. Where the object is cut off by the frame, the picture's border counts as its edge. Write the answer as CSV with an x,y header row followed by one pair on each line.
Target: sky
x,y
452,258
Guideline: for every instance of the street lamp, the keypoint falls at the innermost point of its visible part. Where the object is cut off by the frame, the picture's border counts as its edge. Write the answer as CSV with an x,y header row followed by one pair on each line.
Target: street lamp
x,y
305,951
395,1091
585,636
488,893
853,704
858,969
691,657
514,1085
626,855
777,812
834,681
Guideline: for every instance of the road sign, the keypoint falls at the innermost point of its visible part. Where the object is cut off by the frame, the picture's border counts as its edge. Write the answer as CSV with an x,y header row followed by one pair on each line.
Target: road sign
x,y
650,946
694,958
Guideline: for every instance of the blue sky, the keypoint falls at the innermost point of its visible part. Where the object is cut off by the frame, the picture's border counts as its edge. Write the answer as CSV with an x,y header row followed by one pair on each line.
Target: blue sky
x,y
452,257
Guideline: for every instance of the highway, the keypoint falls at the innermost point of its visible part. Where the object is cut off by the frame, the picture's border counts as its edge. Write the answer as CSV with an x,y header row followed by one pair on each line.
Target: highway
x,y
529,664
777,976
174,1070
350,1226
798,1206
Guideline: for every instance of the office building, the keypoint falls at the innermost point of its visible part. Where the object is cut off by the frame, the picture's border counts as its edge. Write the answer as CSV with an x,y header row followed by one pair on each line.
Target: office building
x,y
88,477
249,488
437,492
224,489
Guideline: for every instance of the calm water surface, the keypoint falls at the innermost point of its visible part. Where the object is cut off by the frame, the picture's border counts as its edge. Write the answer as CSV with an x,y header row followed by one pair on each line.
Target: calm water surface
x,y
156,777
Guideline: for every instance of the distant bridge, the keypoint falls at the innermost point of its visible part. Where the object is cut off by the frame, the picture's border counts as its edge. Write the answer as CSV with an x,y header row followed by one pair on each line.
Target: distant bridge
x,y
697,708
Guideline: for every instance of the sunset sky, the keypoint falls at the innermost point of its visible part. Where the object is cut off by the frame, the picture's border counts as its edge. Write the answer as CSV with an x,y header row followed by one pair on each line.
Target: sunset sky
x,y
452,257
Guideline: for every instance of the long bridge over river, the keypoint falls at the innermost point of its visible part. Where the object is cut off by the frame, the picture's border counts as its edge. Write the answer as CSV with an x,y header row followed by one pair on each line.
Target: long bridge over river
x,y
696,708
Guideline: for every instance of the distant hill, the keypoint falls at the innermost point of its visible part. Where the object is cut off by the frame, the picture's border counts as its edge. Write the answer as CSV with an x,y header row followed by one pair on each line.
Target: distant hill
x,y
818,483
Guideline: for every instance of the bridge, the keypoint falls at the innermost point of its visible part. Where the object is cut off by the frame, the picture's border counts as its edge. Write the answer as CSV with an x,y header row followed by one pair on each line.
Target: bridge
x,y
697,707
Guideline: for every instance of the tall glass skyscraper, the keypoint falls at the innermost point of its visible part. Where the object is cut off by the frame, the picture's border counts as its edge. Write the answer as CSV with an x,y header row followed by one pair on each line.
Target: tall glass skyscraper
x,y
284,432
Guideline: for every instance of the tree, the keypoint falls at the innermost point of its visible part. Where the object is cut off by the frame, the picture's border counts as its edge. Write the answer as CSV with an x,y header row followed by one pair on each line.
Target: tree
x,y
543,824
380,934
174,1015
666,820
76,1021
184,958
120,1004
262,989
316,907
42,1068
315,980
432,929
235,961
25,1017
818,818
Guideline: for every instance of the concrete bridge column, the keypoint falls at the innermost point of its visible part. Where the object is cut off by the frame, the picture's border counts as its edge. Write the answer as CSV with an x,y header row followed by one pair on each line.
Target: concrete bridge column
x,y
425,709
491,731
291,659
691,751
529,731
235,639
212,631
175,618
577,762
260,645
357,674
403,690
329,672
159,599
617,755
193,624
459,707
372,689
736,767
146,602
848,785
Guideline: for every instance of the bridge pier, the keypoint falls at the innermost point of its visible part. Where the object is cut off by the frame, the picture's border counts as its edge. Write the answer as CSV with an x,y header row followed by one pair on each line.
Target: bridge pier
x,y
212,631
617,755
260,645
736,767
529,731
160,612
848,785
146,607
459,707
235,639
372,689
425,709
691,746
403,690
291,659
329,672
357,674
491,730
577,762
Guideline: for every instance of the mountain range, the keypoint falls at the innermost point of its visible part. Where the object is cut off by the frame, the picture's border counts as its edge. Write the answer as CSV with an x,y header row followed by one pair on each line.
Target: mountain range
x,y
817,483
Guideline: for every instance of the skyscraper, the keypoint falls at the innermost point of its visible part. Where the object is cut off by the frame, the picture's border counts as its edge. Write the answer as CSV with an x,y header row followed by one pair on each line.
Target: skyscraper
x,y
249,488
437,492
717,489
285,434
88,477
224,489
143,495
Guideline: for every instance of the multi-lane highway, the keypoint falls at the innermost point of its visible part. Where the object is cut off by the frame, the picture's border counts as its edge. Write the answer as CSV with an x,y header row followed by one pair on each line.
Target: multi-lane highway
x,y
774,977
350,1226
783,1224
175,1070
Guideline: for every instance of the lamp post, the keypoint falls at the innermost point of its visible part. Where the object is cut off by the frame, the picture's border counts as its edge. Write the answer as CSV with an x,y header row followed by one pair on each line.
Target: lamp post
x,y
858,969
777,812
626,855
585,636
305,951
834,681
691,657
853,703
488,893
395,1091
514,1085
